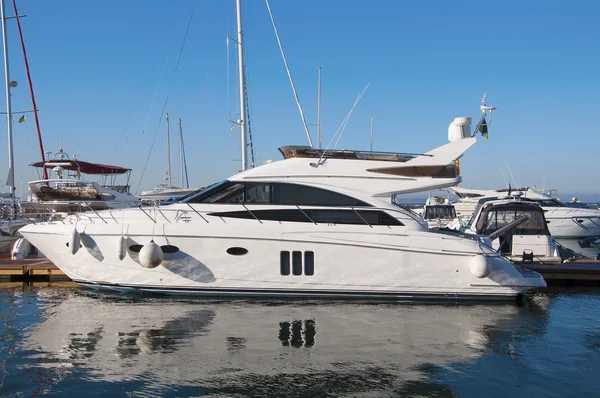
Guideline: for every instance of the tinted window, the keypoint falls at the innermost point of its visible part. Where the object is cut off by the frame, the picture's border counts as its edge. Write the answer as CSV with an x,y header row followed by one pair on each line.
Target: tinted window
x,y
297,263
284,262
258,193
273,193
309,263
293,194
317,215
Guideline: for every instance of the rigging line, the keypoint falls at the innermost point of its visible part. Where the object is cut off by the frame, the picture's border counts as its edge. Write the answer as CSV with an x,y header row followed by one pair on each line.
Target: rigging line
x,y
344,123
187,31
289,76
137,101
228,71
155,93
350,113
511,175
35,109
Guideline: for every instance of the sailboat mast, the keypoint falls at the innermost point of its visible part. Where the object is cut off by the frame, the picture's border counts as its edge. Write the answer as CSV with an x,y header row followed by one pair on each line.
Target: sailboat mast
x,y
181,154
242,81
11,161
319,106
168,152
371,132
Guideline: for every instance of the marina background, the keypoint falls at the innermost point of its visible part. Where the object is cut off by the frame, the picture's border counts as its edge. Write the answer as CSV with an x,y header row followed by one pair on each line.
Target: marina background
x,y
102,72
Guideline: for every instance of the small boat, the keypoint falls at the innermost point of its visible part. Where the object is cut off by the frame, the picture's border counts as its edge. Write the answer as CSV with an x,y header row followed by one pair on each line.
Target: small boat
x,y
575,228
70,192
516,228
438,212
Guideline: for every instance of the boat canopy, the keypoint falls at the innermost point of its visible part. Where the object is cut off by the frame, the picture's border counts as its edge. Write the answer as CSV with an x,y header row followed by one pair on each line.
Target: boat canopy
x,y
82,167
295,151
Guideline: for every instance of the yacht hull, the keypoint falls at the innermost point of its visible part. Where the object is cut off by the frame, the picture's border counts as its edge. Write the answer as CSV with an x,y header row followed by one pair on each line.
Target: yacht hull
x,y
288,261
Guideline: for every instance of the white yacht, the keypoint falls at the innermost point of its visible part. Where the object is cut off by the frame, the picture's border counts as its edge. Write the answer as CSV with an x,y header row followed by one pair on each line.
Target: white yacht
x,y
318,224
576,228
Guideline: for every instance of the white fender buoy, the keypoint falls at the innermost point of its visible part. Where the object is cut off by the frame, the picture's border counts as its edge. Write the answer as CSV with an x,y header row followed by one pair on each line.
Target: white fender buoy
x,y
479,266
74,241
121,249
20,250
151,255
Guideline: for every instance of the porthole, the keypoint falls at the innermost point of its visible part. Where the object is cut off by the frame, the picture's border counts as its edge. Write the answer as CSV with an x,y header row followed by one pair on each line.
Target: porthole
x,y
237,251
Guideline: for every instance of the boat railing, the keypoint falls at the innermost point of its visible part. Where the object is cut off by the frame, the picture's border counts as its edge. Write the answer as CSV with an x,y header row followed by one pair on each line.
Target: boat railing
x,y
176,214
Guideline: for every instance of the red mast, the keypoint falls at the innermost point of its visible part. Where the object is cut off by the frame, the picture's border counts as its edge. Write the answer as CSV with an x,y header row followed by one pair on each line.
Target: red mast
x,y
35,110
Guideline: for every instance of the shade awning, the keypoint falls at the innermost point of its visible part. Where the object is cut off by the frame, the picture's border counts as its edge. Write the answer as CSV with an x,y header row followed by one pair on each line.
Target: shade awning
x,y
83,167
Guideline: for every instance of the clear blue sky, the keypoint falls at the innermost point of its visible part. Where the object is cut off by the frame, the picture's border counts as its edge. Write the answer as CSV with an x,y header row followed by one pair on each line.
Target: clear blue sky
x,y
98,65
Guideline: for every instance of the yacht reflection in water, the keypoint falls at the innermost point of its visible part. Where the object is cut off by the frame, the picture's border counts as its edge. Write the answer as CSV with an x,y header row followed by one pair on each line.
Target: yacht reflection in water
x,y
268,348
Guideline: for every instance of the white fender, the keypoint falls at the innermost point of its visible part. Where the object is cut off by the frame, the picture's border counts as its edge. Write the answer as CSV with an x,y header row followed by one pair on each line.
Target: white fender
x,y
121,249
21,249
151,255
479,266
74,240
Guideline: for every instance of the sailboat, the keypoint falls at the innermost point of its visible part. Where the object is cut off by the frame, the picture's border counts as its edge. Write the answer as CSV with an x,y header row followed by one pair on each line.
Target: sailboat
x,y
166,191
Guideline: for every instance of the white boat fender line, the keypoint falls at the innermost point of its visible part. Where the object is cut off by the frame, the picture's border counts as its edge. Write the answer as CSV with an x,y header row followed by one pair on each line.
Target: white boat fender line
x,y
74,241
121,247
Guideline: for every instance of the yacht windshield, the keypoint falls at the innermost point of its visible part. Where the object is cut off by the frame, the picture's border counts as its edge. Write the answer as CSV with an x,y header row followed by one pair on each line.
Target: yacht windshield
x,y
495,218
444,212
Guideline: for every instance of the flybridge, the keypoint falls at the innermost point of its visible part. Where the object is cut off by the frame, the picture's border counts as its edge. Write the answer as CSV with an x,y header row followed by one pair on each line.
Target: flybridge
x,y
298,151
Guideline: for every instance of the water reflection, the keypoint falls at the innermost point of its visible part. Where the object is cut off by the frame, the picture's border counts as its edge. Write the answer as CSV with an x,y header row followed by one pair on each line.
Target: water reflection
x,y
293,349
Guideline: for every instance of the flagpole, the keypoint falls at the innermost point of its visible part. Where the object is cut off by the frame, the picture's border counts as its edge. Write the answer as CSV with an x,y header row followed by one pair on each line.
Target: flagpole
x,y
11,161
35,109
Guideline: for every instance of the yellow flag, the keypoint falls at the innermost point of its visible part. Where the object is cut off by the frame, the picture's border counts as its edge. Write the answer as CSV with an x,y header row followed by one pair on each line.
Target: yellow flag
x,y
22,119
232,127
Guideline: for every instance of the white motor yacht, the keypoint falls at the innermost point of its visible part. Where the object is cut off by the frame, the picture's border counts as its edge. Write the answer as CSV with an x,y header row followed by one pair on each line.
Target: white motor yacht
x,y
576,228
318,224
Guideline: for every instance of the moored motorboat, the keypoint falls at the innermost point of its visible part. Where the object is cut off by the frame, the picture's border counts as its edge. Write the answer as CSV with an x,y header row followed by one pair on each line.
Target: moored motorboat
x,y
516,228
576,228
318,224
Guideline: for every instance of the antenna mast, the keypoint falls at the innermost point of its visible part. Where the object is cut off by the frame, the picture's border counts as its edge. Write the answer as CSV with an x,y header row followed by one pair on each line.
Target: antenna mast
x,y
319,107
168,152
242,82
11,160
181,154
371,132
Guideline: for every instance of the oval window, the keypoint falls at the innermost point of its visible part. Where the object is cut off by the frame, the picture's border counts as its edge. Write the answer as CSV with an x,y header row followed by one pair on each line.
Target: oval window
x,y
237,251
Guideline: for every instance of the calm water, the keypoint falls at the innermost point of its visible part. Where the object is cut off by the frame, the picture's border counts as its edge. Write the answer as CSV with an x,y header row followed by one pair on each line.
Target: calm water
x,y
68,342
